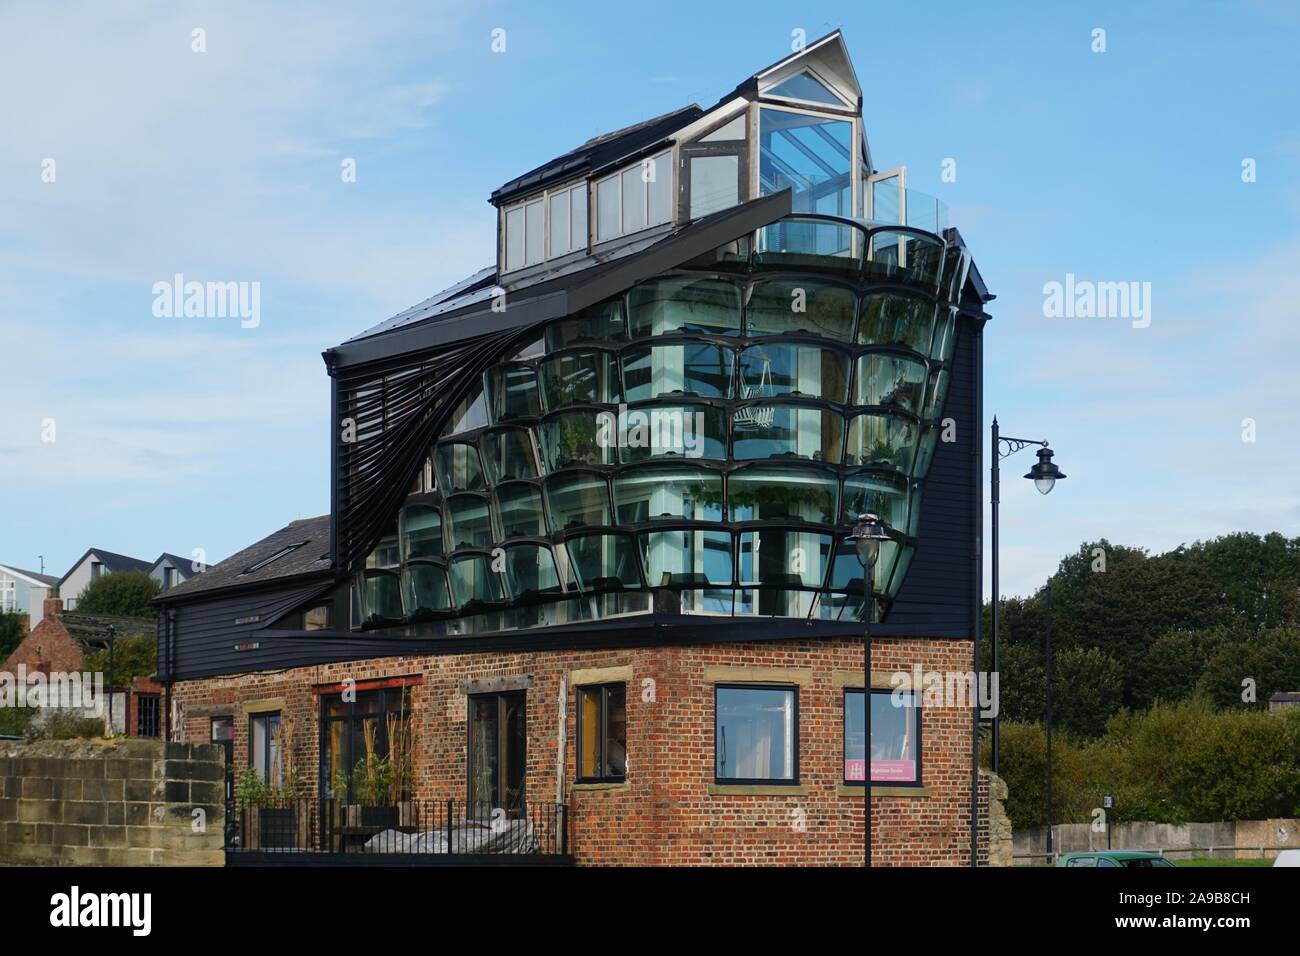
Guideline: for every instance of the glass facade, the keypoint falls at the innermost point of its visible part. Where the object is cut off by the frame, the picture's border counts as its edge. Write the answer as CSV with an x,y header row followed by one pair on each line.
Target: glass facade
x,y
711,434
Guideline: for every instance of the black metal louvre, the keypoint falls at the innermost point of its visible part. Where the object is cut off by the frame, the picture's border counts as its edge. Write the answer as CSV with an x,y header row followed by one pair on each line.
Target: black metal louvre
x,y
393,411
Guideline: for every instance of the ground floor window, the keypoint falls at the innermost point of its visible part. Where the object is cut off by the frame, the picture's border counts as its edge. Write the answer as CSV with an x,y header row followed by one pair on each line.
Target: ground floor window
x,y
498,742
264,747
895,738
756,731
147,715
366,739
602,733
223,735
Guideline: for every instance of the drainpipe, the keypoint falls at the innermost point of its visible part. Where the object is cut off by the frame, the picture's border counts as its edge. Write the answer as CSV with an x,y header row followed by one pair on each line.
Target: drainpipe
x,y
977,580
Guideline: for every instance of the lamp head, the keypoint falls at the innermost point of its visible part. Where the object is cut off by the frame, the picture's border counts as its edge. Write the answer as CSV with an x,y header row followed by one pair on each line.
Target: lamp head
x,y
1045,474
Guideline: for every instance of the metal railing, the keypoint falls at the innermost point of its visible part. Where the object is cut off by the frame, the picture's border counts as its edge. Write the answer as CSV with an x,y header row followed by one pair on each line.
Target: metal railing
x,y
411,827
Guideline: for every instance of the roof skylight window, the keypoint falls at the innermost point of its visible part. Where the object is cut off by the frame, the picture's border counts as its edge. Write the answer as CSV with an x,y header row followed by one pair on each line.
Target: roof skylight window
x,y
273,558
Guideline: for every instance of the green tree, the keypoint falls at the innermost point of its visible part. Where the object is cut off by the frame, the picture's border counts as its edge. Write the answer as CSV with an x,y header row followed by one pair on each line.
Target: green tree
x,y
134,655
1086,690
11,632
120,593
1171,669
1269,659
1259,576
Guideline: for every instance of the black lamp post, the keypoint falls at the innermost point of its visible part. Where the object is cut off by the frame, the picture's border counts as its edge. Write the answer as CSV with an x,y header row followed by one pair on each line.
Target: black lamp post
x,y
1044,475
866,536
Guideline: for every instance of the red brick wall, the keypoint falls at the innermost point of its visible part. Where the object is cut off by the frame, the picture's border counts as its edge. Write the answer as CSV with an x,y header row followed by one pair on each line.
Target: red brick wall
x,y
48,646
665,813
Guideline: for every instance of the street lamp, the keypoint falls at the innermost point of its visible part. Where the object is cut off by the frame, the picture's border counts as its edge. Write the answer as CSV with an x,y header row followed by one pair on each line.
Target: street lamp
x,y
1044,475
868,532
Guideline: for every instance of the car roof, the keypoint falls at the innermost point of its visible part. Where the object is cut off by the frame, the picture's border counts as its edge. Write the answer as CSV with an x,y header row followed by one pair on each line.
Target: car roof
x,y
1115,854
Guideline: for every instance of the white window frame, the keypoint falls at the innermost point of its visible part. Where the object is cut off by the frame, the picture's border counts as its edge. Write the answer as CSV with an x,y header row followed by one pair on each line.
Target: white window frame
x,y
544,198
668,158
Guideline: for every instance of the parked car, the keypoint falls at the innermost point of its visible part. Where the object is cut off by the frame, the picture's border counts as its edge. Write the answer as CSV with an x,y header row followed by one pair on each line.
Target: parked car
x,y
1135,858
1287,858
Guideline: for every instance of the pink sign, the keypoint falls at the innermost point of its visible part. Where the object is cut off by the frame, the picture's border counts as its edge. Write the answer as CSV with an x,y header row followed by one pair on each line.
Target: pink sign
x,y
854,769
891,771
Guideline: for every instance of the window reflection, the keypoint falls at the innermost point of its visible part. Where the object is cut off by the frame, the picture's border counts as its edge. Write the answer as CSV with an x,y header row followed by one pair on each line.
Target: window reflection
x,y
695,368
810,155
689,557
646,493
881,441
684,304
788,306
890,380
603,562
765,493
575,499
786,368
786,431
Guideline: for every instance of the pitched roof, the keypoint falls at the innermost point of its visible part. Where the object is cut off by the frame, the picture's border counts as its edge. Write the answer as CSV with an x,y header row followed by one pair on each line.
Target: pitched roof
x,y
93,630
110,560
184,566
599,151
309,539
35,576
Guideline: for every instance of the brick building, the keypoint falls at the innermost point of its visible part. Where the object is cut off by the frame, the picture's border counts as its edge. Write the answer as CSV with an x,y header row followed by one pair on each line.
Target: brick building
x,y
596,514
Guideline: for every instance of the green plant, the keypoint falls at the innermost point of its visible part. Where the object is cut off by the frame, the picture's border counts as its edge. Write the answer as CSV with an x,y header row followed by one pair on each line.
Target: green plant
x,y
134,655
121,593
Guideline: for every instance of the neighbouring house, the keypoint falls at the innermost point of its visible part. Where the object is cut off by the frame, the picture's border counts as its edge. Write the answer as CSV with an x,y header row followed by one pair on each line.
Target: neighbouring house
x,y
170,570
89,567
24,592
1283,699
590,547
59,645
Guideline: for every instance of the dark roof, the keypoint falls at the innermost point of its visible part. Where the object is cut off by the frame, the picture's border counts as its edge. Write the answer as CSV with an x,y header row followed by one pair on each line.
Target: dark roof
x,y
310,539
184,566
112,561
34,575
599,151
92,630
556,295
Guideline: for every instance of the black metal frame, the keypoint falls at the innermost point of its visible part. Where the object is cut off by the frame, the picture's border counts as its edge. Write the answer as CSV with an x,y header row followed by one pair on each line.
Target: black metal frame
x,y
325,721
602,731
920,754
264,715
793,690
501,784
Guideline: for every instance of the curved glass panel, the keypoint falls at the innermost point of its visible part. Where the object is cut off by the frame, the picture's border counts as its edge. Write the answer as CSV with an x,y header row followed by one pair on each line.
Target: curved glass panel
x,y
774,369
925,450
530,571
810,244
469,522
786,431
577,499
586,377
680,431
783,558
582,437
905,256
421,532
956,263
508,455
604,562
884,494
847,574
602,322
695,368
765,493
892,319
424,587
790,306
458,467
691,558
381,596
684,304
512,392
519,508
894,381
648,492
472,579
936,392
881,440
945,328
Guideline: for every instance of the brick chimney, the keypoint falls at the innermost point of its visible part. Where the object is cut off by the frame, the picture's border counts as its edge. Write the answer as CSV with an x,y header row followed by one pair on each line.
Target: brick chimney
x,y
53,608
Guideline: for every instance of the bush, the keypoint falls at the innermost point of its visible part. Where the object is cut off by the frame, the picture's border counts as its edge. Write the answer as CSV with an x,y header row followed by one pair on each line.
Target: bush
x,y
69,725
135,655
16,721
1175,763
120,593
12,632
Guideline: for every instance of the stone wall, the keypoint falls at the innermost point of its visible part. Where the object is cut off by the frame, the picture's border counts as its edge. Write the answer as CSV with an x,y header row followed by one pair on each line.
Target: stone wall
x,y
111,803
1241,838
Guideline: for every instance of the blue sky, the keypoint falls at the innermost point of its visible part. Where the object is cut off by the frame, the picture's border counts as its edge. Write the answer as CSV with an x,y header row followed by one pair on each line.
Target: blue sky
x,y
177,434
